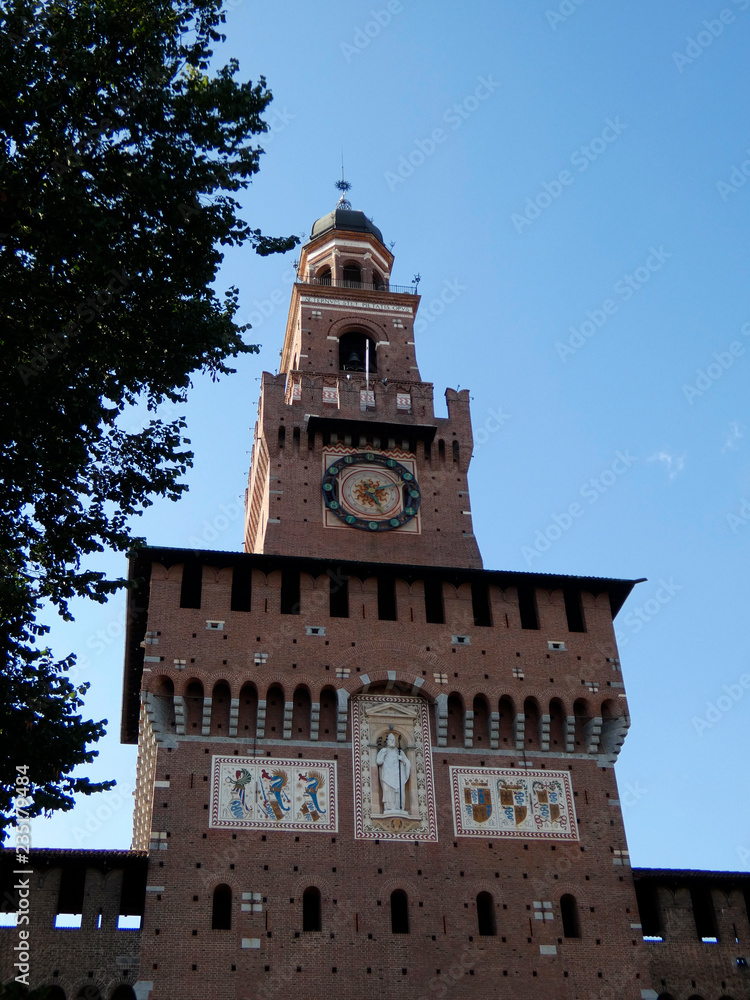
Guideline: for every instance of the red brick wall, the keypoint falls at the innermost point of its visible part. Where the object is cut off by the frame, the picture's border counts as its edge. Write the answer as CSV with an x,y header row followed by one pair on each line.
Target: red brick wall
x,y
99,957
356,878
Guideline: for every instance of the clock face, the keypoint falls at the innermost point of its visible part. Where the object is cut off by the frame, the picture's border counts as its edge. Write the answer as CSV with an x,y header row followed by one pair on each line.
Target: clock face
x,y
371,492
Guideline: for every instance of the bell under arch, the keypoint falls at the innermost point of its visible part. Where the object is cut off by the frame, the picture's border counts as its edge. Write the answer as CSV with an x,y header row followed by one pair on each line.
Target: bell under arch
x,y
356,349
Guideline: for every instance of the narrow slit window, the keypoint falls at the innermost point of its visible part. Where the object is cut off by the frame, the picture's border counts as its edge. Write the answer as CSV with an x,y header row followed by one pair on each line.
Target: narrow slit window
x,y
221,912
569,914
486,915
399,912
311,917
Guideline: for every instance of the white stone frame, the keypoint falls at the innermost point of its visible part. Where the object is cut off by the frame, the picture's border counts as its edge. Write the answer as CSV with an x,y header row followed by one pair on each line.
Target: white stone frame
x,y
373,717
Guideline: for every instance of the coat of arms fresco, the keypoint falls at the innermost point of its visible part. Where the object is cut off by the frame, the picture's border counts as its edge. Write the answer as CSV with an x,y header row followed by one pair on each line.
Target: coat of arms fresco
x,y
507,802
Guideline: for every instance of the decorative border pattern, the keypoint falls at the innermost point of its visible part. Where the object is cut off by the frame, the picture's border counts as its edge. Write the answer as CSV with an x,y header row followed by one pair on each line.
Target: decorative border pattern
x,y
261,793
510,802
368,825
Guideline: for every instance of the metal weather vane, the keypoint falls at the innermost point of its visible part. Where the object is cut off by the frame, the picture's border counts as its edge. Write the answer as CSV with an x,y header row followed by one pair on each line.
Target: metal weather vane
x,y
343,186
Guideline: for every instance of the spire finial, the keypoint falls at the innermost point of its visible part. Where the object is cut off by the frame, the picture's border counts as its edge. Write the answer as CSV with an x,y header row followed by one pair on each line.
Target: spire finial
x,y
343,186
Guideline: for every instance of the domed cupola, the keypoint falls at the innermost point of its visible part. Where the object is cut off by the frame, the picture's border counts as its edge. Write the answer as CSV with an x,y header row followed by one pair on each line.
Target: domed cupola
x,y
344,218
346,250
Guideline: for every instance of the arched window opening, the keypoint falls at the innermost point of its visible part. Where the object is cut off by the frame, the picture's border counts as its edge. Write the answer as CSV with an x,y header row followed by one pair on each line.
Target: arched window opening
x,y
164,695
556,725
581,713
352,275
301,715
455,721
248,713
311,920
481,721
194,707
89,992
123,992
569,914
486,915
324,276
399,912
220,704
328,707
355,348
221,912
377,281
274,713
613,727
531,728
507,715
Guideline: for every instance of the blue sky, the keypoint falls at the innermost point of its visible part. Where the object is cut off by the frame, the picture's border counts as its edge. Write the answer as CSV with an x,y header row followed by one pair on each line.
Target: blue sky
x,y
571,176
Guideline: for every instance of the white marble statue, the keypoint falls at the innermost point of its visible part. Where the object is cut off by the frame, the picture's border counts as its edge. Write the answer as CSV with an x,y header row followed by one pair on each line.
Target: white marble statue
x,y
395,769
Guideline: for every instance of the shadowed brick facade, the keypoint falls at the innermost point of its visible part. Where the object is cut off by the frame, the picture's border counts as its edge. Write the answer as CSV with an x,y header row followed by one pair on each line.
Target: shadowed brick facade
x,y
277,654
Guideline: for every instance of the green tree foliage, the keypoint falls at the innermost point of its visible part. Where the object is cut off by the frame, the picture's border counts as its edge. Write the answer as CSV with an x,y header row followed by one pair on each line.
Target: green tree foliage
x,y
120,159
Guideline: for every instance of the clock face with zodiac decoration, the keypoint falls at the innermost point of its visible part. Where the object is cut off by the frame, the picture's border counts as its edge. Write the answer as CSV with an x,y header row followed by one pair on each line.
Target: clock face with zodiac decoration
x,y
371,492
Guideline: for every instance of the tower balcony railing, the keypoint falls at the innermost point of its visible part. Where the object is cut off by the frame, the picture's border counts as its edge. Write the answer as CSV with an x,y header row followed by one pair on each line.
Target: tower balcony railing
x,y
368,286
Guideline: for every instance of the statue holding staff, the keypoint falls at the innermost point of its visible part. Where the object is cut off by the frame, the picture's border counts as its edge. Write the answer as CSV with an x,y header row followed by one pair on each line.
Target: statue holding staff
x,y
395,769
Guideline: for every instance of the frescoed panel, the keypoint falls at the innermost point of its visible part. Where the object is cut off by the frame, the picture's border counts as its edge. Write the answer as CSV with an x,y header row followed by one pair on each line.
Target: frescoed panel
x,y
265,794
508,802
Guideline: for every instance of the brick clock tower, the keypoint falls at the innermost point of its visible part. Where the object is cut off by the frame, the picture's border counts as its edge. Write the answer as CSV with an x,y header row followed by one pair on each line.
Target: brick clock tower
x,y
367,766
